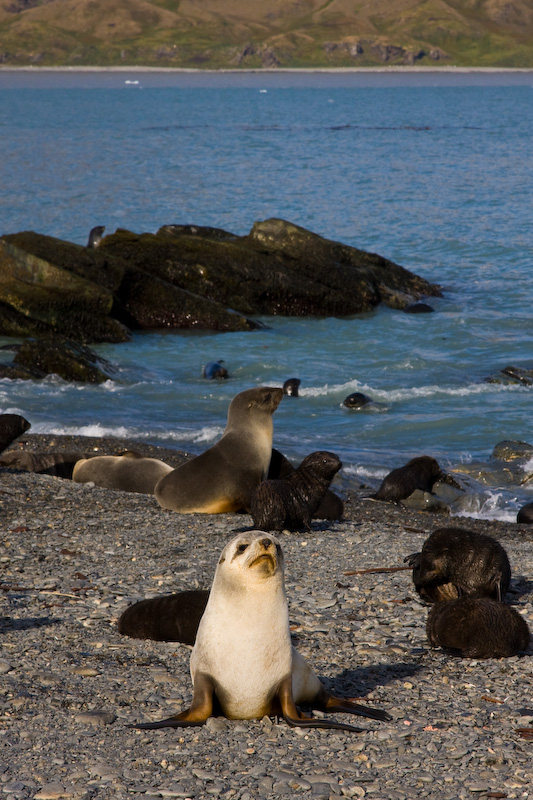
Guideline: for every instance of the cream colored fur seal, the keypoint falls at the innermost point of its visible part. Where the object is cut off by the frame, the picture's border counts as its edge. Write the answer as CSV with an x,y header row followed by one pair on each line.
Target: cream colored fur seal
x,y
243,663
129,472
223,478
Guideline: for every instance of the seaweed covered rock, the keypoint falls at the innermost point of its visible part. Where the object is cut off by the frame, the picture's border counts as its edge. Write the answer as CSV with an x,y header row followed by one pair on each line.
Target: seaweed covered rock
x,y
70,360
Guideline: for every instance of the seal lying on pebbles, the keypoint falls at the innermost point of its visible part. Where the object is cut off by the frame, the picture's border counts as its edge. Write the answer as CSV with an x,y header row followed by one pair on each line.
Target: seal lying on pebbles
x,y
224,477
330,507
455,562
11,427
243,663
129,472
169,618
292,502
419,473
478,627
60,464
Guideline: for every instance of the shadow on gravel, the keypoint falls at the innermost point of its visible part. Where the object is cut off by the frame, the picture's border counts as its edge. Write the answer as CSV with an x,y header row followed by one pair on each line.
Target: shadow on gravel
x,y
360,681
10,624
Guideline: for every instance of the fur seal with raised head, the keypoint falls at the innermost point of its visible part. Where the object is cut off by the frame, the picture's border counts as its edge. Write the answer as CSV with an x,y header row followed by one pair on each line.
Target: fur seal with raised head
x,y
11,427
356,400
290,387
478,627
167,618
419,473
129,472
215,369
291,502
243,664
455,562
223,478
95,236
330,507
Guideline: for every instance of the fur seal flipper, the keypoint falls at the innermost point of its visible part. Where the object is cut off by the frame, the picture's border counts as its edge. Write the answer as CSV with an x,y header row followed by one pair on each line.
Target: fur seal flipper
x,y
223,478
243,664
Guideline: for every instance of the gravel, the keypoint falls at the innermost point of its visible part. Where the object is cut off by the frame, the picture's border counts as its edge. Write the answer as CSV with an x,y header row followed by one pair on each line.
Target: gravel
x,y
72,557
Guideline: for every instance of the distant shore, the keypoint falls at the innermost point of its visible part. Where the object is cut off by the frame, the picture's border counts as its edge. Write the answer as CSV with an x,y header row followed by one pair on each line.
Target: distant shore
x,y
271,71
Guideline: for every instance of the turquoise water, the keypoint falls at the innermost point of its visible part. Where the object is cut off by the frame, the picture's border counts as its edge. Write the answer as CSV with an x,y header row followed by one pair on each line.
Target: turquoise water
x,y
433,173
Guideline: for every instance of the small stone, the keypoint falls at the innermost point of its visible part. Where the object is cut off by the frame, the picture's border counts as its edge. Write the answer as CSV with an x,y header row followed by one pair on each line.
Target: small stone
x,y
86,672
96,717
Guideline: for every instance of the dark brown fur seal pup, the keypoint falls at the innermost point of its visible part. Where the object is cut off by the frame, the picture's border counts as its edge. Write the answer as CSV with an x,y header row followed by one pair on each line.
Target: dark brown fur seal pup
x,y
215,369
525,514
95,236
419,473
292,502
478,627
129,472
170,618
243,664
11,427
224,477
356,400
59,464
455,562
330,507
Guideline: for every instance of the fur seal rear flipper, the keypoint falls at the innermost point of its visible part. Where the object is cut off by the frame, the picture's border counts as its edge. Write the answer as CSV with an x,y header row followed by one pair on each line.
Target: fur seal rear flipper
x,y
243,664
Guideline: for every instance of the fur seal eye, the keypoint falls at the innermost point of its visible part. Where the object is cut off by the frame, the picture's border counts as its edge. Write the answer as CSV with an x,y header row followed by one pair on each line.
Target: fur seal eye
x,y
241,548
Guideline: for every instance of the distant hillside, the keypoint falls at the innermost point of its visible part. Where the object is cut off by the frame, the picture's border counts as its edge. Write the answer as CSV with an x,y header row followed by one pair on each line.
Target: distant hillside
x,y
244,34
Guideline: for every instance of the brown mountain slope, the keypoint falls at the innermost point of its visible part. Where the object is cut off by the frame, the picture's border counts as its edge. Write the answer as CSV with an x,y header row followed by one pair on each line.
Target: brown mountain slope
x,y
266,33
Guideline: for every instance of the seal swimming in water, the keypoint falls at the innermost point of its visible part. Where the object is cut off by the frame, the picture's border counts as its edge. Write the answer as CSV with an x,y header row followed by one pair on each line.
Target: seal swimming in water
x,y
330,507
215,369
291,502
95,236
223,478
11,427
455,562
356,400
478,627
129,472
290,387
419,473
168,618
243,663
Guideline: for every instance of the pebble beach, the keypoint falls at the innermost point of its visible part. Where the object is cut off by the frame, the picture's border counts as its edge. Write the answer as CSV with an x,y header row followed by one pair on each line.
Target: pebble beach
x,y
74,556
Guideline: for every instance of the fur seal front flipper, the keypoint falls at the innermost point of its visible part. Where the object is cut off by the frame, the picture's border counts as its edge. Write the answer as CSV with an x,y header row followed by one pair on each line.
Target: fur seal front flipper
x,y
243,664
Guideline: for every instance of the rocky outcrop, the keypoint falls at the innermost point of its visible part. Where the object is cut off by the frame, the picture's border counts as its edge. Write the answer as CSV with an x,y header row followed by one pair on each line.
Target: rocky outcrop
x,y
53,355
187,276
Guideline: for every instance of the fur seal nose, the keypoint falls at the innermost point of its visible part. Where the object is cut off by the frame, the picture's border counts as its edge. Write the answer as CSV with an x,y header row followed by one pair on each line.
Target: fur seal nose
x,y
266,543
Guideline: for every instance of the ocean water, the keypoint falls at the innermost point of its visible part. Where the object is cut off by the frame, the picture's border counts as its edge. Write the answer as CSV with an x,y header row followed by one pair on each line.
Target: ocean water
x,y
430,170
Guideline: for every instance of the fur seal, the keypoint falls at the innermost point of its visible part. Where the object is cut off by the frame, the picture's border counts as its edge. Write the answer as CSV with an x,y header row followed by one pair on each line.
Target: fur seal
x,y
223,478
525,514
60,464
356,400
95,237
129,472
168,618
330,507
291,502
215,369
478,627
455,562
419,473
11,427
290,387
243,663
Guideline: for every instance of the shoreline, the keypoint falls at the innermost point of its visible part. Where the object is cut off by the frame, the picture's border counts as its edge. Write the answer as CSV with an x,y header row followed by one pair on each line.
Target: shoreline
x,y
272,71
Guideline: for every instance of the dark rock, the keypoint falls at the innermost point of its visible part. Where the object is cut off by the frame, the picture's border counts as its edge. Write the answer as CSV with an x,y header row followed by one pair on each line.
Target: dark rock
x,y
513,375
70,360
419,308
509,450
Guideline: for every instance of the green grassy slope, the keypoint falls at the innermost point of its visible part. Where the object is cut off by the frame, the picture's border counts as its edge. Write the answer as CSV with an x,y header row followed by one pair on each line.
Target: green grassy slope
x,y
266,33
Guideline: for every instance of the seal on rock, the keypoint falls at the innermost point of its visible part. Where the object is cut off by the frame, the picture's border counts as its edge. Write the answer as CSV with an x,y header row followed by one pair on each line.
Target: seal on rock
x,y
95,236
167,618
215,369
223,478
11,427
419,473
243,664
478,627
291,502
330,507
455,562
129,472
290,387
525,514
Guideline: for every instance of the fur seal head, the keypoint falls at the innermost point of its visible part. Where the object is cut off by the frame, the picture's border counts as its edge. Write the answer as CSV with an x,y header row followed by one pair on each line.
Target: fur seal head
x,y
290,387
243,663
